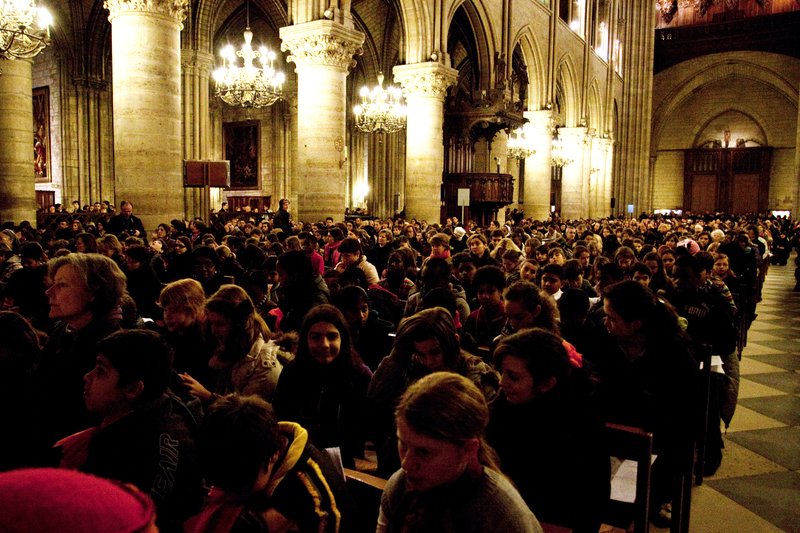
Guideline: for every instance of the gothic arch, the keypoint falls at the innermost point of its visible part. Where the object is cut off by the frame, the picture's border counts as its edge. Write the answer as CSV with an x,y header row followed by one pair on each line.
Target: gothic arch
x,y
728,66
757,121
526,40
481,31
594,114
418,23
212,15
567,78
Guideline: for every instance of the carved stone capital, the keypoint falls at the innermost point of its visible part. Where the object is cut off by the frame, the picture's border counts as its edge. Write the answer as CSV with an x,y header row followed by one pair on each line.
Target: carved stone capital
x,y
321,42
174,9
428,79
196,61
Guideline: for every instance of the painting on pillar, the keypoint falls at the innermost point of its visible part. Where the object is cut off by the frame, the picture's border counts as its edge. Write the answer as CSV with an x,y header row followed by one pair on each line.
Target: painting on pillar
x,y
41,134
242,150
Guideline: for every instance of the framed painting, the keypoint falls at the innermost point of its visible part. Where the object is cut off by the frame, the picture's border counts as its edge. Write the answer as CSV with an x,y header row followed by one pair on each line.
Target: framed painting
x,y
243,150
41,135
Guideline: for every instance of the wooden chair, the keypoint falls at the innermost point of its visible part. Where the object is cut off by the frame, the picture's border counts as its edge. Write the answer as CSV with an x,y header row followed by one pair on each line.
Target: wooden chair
x,y
635,444
365,491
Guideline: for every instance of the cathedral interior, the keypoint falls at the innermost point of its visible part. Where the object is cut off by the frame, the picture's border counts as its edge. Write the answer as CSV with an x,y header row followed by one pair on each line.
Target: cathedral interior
x,y
570,108
621,108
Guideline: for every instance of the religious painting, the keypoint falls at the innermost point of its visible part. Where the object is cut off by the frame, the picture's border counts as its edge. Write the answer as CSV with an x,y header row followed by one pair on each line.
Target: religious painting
x,y
41,134
242,149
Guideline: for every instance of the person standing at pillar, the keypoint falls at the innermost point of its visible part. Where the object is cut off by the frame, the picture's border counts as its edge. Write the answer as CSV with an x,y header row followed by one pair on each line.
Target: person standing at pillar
x,y
283,219
126,221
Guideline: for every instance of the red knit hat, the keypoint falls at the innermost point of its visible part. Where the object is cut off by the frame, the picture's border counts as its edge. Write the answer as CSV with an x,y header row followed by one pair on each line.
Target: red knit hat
x,y
44,500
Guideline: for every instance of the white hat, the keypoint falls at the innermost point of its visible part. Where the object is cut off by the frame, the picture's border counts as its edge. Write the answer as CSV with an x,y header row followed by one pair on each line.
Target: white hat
x,y
459,232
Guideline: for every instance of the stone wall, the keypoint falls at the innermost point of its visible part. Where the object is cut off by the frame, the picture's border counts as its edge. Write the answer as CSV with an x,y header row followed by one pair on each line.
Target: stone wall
x,y
750,93
46,73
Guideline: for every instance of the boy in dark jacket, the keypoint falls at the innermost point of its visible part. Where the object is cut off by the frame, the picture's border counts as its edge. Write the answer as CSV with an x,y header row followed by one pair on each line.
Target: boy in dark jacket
x,y
265,474
145,437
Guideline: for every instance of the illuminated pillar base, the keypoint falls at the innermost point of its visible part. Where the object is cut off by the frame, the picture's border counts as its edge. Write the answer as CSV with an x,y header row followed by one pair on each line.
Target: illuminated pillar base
x,y
323,52
147,109
17,191
424,86
538,171
600,187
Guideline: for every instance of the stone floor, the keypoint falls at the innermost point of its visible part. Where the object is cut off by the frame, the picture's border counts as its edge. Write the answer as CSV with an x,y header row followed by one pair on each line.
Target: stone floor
x,y
757,488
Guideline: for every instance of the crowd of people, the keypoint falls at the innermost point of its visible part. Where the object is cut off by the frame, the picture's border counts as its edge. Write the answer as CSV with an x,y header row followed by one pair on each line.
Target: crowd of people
x,y
230,370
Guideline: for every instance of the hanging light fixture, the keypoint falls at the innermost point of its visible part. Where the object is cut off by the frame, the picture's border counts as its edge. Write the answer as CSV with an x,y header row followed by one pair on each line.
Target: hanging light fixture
x,y
249,85
24,29
557,156
380,111
519,146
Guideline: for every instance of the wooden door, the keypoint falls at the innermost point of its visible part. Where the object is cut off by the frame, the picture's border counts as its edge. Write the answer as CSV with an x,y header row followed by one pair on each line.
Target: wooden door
x,y
744,194
704,193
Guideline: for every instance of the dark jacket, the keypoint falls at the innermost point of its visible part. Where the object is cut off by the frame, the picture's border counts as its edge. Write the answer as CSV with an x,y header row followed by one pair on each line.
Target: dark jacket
x,y
297,299
119,223
329,401
564,462
152,448
58,381
283,221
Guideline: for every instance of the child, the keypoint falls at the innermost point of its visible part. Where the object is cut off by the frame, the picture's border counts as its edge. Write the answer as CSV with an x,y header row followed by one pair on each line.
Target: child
x,y
512,260
552,278
266,476
529,271
145,437
449,479
573,278
486,322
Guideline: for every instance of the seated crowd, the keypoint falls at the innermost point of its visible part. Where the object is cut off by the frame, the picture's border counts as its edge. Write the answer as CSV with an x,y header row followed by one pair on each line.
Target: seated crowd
x,y
230,372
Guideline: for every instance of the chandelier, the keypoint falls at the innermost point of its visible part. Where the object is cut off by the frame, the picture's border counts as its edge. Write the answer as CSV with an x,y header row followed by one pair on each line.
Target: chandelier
x,y
557,156
380,111
248,86
24,29
519,146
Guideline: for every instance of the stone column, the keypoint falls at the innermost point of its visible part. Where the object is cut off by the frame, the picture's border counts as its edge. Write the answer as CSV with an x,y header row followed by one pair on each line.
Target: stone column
x,y
322,51
195,70
602,159
17,191
146,51
424,86
638,36
573,185
796,193
538,170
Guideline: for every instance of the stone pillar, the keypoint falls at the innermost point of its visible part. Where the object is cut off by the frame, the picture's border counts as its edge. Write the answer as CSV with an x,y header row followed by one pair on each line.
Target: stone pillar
x,y
94,180
638,36
17,191
538,171
145,45
574,199
795,207
602,158
195,70
322,51
424,86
